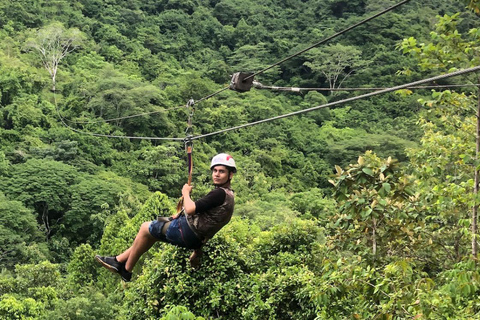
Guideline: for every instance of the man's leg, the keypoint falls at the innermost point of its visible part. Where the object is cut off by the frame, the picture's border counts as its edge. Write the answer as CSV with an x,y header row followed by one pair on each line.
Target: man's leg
x,y
143,241
123,264
122,257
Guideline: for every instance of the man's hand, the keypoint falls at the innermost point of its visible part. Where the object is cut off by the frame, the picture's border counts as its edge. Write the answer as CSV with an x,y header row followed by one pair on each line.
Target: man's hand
x,y
186,190
188,204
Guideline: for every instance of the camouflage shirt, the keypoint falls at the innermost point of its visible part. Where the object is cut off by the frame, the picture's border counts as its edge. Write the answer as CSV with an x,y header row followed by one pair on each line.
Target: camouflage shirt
x,y
212,212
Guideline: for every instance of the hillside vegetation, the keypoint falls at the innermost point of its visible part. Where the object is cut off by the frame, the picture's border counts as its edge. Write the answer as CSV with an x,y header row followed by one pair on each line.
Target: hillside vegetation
x,y
365,210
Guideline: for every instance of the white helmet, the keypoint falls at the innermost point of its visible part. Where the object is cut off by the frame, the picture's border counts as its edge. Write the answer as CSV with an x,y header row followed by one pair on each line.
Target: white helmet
x,y
224,159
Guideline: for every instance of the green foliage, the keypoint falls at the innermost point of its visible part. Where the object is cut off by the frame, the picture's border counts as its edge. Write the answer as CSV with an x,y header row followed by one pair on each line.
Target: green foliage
x,y
373,209
273,261
474,5
89,208
445,167
280,294
173,282
159,167
180,313
234,278
335,63
43,186
12,308
312,203
43,274
445,163
266,213
345,144
20,240
89,306
449,49
115,96
120,230
81,269
39,291
53,43
289,244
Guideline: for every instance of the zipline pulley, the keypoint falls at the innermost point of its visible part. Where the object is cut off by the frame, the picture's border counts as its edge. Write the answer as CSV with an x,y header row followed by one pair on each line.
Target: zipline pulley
x,y
191,110
241,81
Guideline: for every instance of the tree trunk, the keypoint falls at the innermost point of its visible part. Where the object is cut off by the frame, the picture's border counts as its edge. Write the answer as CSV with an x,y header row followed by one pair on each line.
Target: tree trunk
x,y
475,189
46,223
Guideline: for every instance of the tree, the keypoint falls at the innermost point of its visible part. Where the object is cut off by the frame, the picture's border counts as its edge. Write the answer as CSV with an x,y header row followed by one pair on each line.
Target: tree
x,y
82,269
376,5
91,201
13,308
244,275
443,165
450,50
160,168
42,185
252,58
312,203
372,195
335,62
3,163
180,313
53,43
19,234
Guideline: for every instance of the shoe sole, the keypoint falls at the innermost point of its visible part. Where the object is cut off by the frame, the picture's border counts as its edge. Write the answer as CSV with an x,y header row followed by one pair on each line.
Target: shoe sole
x,y
106,265
124,279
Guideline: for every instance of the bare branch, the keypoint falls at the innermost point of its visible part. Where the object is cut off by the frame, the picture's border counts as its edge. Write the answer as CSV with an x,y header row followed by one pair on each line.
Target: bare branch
x,y
53,43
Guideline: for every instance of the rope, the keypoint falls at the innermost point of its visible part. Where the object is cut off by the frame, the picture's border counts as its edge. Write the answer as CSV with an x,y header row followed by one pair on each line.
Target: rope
x,y
137,115
213,94
189,149
412,84
106,135
227,87
188,140
189,162
329,38
258,85
121,118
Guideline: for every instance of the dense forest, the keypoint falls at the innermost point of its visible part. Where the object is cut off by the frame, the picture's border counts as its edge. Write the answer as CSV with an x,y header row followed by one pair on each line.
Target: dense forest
x,y
365,210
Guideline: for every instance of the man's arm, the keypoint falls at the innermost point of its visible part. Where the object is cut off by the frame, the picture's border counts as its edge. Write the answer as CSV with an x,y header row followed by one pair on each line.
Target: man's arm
x,y
188,204
213,199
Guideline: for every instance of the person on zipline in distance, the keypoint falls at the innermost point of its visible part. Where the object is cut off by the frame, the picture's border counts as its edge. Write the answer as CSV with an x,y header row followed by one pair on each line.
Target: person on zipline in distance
x,y
199,221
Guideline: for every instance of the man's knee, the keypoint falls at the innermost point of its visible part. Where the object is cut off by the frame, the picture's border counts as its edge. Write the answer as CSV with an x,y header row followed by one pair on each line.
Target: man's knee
x,y
144,229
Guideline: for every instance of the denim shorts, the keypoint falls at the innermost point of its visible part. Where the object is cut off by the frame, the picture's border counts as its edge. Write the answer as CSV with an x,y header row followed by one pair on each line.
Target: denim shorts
x,y
179,233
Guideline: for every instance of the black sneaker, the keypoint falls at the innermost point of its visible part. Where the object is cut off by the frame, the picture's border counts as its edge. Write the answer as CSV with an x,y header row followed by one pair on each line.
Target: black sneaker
x,y
126,275
110,263
114,266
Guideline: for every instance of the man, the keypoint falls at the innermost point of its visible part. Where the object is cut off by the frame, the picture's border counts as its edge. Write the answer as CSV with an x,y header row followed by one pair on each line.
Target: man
x,y
198,222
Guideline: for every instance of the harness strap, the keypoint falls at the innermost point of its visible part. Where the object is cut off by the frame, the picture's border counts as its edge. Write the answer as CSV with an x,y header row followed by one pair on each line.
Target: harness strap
x,y
165,227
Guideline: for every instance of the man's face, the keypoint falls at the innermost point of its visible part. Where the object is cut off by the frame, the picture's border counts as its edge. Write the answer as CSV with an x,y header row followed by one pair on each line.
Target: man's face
x,y
220,175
